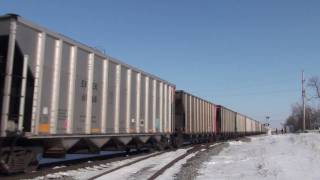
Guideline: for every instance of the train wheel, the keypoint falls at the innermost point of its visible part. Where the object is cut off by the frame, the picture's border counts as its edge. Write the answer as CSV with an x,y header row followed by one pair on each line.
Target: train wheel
x,y
160,146
177,141
17,159
34,163
127,149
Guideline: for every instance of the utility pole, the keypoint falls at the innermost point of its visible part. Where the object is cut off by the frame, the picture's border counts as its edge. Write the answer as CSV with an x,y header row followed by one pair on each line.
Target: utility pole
x,y
303,103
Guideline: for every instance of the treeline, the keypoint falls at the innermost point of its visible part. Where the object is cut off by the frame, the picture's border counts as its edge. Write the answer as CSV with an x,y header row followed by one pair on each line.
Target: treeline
x,y
294,121
312,121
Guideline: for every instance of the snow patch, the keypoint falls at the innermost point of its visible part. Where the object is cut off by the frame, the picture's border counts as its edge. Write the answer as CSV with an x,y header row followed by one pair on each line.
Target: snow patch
x,y
170,173
87,172
235,143
146,168
285,157
58,167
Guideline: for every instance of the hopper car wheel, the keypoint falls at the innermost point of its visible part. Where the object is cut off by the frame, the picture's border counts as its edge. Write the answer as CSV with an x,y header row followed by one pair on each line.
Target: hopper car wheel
x,y
17,159
159,146
138,148
153,146
152,149
34,163
211,139
177,142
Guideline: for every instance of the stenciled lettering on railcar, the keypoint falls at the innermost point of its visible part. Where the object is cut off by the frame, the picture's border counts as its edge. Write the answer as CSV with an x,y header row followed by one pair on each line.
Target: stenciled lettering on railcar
x,y
84,84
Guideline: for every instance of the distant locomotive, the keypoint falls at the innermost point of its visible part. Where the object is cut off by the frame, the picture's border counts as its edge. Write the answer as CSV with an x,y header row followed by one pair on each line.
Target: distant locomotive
x,y
59,96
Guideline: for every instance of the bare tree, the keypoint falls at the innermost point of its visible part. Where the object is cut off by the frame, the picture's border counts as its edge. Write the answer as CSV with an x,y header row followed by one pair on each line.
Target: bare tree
x,y
314,83
294,120
312,113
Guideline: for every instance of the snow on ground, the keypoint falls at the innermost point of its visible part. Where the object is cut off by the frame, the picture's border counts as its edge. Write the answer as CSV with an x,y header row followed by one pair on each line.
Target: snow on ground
x,y
87,172
146,168
188,167
285,157
172,171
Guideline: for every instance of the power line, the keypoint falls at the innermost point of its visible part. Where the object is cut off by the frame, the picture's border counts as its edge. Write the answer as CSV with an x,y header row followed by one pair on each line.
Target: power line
x,y
246,85
259,93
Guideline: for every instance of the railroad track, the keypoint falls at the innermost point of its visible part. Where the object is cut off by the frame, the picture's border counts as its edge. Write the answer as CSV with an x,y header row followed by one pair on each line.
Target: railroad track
x,y
160,171
74,164
131,160
128,164
189,152
171,163
66,166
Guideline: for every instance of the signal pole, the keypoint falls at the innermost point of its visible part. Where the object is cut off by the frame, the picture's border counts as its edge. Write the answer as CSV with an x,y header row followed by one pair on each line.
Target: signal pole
x,y
303,103
267,118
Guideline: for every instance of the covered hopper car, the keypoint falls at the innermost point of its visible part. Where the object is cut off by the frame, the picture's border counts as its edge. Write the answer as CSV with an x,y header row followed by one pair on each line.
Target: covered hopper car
x,y
63,96
195,119
233,124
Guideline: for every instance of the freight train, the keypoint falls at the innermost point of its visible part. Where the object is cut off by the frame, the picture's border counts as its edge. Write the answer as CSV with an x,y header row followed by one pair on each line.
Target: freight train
x,y
59,96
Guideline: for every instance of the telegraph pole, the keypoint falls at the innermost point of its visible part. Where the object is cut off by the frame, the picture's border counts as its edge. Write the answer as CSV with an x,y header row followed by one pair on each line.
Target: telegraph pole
x,y
303,103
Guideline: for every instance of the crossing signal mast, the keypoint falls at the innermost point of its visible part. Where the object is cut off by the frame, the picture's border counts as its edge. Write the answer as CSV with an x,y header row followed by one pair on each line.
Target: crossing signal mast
x,y
303,103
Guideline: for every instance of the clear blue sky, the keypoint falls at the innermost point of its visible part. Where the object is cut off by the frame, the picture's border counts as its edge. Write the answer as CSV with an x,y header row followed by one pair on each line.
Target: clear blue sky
x,y
246,55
